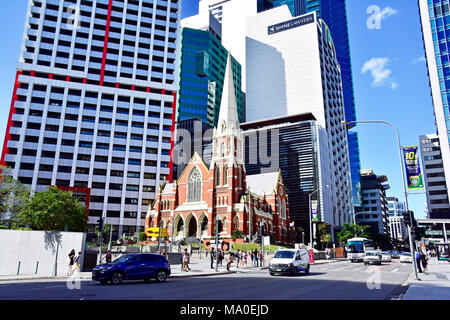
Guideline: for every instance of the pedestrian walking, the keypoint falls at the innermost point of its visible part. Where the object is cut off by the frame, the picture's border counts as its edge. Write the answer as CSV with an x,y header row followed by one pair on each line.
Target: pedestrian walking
x,y
221,257
188,260
229,261
238,258
107,257
423,260
212,257
77,262
246,258
184,260
71,262
417,257
255,257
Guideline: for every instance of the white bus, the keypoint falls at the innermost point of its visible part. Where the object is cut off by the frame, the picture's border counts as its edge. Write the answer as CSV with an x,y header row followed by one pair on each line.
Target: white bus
x,y
357,246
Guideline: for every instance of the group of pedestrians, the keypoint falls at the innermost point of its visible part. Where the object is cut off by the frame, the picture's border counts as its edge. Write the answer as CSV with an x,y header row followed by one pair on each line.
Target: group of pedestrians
x,y
422,258
74,262
241,257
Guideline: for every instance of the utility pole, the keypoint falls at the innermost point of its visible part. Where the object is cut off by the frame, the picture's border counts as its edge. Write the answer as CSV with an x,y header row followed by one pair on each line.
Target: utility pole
x,y
217,243
100,229
159,237
261,232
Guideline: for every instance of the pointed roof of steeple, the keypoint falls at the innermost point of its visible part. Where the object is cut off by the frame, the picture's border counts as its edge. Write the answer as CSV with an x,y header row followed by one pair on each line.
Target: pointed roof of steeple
x,y
228,106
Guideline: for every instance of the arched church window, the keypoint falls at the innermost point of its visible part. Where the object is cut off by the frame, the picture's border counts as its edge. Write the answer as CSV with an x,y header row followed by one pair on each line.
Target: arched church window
x,y
195,186
222,150
225,175
217,176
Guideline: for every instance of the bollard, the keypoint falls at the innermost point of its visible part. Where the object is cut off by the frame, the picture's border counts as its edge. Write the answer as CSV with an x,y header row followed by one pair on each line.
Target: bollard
x,y
37,266
18,268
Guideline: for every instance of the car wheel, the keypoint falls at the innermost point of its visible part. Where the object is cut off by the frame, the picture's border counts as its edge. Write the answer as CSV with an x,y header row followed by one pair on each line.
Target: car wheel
x,y
161,276
103,282
271,273
117,278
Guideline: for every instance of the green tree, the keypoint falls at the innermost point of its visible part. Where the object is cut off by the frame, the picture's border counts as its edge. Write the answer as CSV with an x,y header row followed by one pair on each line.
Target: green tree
x,y
352,230
324,234
54,210
13,196
237,234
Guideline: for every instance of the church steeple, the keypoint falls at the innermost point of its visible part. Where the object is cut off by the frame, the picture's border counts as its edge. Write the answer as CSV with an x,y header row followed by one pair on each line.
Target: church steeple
x,y
228,137
228,115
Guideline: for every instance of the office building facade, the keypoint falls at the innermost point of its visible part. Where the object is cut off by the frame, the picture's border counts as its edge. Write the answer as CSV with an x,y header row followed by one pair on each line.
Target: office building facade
x,y
397,227
438,205
94,103
435,19
292,68
201,74
299,147
375,212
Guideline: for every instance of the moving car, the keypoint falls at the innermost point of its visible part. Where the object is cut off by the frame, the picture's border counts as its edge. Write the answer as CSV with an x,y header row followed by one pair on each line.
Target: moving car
x,y
290,261
406,257
133,266
372,257
395,254
385,256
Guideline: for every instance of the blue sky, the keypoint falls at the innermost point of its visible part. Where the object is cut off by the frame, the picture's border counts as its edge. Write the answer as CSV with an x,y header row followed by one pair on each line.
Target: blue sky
x,y
390,79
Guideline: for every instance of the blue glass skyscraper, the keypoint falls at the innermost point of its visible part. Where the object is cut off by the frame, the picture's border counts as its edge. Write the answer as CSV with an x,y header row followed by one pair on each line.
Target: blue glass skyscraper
x,y
435,19
202,70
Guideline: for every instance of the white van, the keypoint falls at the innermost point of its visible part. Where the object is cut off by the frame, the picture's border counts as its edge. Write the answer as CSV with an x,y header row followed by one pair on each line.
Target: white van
x,y
290,261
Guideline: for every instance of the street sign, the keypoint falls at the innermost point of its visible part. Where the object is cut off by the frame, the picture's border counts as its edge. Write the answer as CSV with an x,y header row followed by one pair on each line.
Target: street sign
x,y
314,211
154,232
413,173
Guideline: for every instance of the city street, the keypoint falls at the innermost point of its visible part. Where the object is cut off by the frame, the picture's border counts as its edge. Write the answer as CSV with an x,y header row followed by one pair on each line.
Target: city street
x,y
335,281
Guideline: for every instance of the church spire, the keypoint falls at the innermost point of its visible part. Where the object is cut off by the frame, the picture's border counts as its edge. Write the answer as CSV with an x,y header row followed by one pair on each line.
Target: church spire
x,y
228,114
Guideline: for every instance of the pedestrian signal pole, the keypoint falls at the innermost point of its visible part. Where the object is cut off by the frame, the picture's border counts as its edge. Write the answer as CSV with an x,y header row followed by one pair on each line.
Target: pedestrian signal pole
x,y
217,243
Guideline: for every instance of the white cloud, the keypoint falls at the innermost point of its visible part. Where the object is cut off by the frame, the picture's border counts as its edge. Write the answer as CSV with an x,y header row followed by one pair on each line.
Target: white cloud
x,y
380,73
419,59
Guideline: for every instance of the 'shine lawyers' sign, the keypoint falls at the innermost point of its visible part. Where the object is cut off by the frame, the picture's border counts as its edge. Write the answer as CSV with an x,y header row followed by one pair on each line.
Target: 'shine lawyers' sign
x,y
291,24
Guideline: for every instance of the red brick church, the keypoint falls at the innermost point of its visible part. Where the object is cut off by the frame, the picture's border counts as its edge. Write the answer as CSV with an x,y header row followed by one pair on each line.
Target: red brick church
x,y
188,207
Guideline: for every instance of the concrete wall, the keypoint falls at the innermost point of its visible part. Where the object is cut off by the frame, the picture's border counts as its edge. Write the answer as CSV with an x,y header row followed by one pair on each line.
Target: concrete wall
x,y
39,249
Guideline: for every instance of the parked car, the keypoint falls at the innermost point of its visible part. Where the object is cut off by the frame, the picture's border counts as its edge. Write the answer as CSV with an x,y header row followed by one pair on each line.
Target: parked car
x,y
385,256
406,257
133,266
395,254
372,257
290,261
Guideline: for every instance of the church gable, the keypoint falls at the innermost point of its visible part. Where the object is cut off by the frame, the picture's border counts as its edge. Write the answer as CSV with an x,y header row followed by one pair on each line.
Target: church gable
x,y
197,162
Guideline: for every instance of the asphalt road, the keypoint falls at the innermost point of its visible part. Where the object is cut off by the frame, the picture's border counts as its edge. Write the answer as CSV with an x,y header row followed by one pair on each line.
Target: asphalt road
x,y
335,281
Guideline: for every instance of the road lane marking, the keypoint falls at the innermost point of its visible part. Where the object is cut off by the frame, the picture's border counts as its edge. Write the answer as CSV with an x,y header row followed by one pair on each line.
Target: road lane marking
x,y
395,270
358,268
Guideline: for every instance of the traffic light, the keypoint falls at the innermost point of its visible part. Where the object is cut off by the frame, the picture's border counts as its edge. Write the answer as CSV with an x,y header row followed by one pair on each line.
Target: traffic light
x,y
100,224
219,226
407,218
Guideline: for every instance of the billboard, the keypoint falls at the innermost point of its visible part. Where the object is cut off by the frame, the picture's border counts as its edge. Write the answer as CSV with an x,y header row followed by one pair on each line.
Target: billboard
x,y
443,251
413,174
314,211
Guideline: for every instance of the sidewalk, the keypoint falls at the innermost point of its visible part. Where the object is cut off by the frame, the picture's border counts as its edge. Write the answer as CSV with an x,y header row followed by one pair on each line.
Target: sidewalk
x,y
434,286
198,267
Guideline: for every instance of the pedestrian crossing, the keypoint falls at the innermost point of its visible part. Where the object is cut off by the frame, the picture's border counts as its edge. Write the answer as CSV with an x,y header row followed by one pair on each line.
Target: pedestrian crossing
x,y
393,267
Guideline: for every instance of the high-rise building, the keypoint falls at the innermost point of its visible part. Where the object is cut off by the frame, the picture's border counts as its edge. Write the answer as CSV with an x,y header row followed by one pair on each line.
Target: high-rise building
x,y
94,102
201,74
434,177
375,211
292,68
395,206
298,146
435,19
334,13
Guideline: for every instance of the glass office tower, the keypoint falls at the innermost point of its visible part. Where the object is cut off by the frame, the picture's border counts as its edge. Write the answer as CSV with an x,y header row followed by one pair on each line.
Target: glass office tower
x,y
202,71
435,19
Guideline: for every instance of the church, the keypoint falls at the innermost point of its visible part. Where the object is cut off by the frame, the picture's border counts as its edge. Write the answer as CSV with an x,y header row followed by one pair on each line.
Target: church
x,y
189,206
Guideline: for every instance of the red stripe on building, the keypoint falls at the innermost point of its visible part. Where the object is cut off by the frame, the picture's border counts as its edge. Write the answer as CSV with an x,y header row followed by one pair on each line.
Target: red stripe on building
x,y
12,110
105,45
172,141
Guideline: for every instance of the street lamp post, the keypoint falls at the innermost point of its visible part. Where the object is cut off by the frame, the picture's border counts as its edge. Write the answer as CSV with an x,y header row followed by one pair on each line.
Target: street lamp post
x,y
310,218
403,179
217,243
